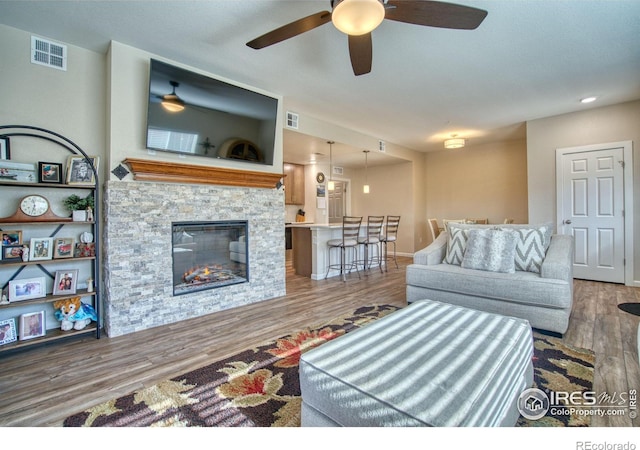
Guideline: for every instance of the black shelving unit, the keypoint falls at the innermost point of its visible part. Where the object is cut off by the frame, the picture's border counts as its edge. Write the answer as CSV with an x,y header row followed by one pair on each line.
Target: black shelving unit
x,y
16,133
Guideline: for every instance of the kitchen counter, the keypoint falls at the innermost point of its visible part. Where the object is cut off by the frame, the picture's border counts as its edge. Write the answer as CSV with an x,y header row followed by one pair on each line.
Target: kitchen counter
x,y
310,250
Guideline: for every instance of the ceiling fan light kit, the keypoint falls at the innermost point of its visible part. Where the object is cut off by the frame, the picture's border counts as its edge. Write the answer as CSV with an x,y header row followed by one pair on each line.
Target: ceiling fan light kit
x,y
171,102
357,17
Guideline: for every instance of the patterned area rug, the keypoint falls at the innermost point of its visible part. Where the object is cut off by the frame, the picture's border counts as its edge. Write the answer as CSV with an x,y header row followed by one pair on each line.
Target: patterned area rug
x,y
259,387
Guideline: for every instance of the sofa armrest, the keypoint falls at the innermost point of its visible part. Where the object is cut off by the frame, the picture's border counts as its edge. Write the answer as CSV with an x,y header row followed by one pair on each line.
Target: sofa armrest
x,y
432,253
558,262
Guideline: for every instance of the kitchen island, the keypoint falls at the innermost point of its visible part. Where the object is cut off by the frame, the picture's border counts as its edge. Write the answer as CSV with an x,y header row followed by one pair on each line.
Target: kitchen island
x,y
310,250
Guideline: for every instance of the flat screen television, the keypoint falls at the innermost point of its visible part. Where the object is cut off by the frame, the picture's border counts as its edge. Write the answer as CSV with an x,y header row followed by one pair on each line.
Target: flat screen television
x,y
219,119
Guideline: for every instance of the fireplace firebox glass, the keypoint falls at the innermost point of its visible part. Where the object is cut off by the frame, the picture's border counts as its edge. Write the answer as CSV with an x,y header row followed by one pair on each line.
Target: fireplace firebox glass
x,y
208,255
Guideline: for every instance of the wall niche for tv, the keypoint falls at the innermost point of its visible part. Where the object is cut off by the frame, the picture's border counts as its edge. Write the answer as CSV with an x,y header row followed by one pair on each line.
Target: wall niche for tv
x,y
219,119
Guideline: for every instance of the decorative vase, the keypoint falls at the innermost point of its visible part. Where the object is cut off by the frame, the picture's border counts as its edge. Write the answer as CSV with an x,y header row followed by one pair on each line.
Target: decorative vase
x,y
79,215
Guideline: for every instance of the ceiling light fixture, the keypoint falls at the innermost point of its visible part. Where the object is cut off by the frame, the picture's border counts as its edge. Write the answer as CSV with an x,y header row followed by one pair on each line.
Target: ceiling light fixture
x,y
365,188
454,142
331,185
357,17
588,100
171,102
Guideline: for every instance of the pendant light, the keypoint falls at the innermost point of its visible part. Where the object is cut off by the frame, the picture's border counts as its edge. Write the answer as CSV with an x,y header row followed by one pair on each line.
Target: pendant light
x,y
331,185
171,102
365,188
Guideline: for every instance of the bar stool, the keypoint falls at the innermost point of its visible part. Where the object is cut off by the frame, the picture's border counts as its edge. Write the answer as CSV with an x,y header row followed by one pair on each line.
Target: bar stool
x,y
350,232
372,239
390,235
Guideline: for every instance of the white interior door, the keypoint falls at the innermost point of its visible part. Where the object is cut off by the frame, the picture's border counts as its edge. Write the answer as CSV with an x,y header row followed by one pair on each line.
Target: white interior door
x,y
591,208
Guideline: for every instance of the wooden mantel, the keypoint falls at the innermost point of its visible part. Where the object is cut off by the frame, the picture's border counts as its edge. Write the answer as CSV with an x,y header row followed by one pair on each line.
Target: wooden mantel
x,y
172,172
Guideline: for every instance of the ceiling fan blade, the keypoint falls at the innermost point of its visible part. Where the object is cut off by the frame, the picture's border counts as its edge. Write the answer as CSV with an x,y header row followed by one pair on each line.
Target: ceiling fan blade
x,y
361,53
290,30
435,14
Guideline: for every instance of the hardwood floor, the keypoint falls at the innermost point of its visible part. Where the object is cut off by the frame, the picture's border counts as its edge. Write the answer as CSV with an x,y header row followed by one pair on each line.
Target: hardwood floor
x,y
43,385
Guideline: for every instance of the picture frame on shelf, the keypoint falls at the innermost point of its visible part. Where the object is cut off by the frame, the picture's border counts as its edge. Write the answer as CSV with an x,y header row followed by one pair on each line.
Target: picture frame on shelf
x,y
12,253
32,325
27,288
79,172
12,237
5,149
65,282
8,332
18,172
49,172
85,250
63,248
41,249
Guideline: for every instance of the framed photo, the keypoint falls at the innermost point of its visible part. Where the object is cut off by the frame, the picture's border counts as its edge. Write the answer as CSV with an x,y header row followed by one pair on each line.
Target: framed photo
x,y
49,172
12,253
79,171
85,250
8,331
63,248
32,325
4,148
41,249
12,237
20,172
27,288
65,282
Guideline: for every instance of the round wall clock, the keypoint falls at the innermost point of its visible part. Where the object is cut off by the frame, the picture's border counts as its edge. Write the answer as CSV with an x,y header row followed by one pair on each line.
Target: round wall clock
x,y
320,177
34,205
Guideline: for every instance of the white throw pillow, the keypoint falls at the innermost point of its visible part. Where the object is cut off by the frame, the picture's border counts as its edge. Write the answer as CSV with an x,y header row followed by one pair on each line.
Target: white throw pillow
x,y
491,250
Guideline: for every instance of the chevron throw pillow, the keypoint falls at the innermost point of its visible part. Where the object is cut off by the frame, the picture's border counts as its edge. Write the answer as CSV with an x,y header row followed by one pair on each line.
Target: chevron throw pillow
x,y
531,249
456,245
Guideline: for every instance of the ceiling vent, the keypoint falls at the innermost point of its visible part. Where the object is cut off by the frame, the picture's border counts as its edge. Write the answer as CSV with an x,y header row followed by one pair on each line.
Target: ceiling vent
x,y
382,146
48,53
292,120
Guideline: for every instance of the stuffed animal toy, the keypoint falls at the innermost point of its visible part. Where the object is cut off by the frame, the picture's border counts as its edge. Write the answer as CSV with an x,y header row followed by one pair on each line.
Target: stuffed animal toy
x,y
73,313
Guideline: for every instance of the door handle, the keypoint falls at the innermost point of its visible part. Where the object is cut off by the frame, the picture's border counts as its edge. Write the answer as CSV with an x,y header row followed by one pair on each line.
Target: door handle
x,y
567,222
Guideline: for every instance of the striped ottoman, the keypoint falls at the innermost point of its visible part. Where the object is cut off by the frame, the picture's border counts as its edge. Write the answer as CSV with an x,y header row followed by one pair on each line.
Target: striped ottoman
x,y
429,364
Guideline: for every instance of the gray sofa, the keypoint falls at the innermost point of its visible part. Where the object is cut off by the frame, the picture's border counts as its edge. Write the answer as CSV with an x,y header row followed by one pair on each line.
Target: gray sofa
x,y
544,298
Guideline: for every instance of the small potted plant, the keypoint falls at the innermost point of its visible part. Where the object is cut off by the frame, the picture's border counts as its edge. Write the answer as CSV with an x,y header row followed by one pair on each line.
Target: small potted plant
x,y
79,206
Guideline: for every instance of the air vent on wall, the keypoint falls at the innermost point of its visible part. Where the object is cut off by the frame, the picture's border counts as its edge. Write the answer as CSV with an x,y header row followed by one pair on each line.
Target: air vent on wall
x,y
382,146
338,170
48,53
292,120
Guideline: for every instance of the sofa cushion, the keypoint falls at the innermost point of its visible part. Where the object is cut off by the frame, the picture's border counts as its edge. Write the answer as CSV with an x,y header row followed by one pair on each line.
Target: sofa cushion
x,y
456,246
491,250
531,248
519,287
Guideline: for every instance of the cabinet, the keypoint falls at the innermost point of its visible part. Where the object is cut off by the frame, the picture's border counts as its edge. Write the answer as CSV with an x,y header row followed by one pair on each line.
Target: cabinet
x,y
83,261
293,184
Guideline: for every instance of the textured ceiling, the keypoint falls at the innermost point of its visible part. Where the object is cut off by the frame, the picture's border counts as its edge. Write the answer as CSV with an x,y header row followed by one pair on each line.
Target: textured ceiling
x,y
528,59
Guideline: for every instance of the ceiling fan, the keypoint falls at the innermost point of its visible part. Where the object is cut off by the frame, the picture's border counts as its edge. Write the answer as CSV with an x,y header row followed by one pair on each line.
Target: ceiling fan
x,y
357,18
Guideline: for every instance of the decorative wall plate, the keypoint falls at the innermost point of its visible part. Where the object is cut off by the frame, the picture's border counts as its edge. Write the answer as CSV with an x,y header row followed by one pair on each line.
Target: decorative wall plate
x,y
320,177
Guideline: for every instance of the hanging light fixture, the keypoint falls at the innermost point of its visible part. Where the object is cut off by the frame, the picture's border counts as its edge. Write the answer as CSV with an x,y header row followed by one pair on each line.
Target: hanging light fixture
x,y
357,17
454,142
365,188
331,185
171,102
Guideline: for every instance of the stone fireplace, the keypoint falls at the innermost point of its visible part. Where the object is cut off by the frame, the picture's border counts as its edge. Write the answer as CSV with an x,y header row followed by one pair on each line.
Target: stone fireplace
x,y
139,250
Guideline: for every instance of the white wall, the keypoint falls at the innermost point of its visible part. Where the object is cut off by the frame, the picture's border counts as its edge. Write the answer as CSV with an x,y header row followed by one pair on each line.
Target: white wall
x,y
593,126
